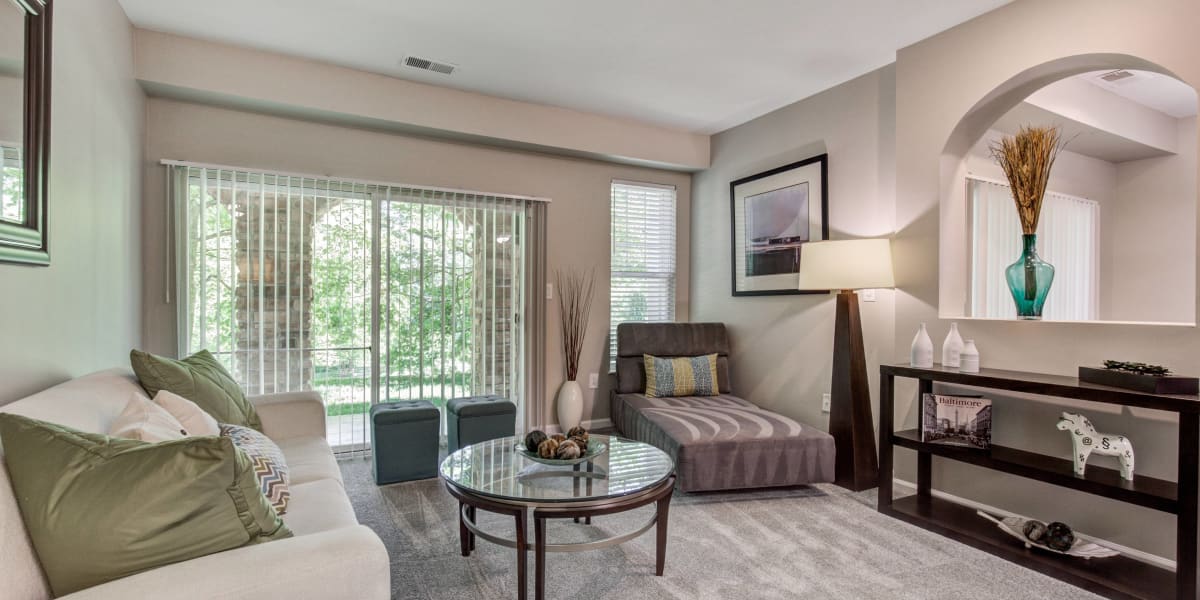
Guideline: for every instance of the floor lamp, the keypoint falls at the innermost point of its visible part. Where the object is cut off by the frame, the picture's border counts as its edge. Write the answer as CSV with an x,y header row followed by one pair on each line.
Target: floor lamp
x,y
849,265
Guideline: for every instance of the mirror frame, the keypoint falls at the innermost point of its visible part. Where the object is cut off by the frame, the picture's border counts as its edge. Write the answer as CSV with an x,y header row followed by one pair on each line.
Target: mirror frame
x,y
27,243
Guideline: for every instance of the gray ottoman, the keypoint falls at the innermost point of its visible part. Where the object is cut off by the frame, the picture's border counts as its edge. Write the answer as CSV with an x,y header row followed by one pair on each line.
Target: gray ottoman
x,y
405,440
478,419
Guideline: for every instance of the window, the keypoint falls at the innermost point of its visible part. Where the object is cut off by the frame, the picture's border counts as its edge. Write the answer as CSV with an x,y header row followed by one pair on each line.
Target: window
x,y
294,281
1068,238
642,286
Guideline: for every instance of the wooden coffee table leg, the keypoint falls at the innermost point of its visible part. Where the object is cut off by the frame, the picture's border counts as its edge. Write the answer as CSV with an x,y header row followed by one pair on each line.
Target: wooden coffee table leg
x,y
590,468
471,534
660,548
539,561
522,550
464,534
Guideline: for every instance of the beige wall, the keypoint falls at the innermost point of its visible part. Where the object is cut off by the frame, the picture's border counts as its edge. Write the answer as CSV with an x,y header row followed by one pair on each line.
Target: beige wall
x,y
941,79
783,345
1152,222
578,214
81,314
191,69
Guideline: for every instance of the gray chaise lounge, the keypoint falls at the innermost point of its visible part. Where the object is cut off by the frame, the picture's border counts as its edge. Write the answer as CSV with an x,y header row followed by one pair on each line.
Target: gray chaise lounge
x,y
718,442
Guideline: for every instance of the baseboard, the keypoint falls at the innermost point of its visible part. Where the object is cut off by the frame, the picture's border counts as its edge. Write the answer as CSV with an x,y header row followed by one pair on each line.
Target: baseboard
x,y
1134,553
588,425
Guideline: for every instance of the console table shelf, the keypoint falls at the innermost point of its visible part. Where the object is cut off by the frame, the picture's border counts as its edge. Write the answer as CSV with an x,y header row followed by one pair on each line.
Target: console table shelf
x,y
1158,494
1117,577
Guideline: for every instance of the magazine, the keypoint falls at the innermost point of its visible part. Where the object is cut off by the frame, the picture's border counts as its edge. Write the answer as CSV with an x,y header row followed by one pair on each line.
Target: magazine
x,y
956,420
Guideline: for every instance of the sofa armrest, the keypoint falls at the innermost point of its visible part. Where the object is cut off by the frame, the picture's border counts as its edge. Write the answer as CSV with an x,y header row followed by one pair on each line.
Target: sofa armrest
x,y
350,562
291,414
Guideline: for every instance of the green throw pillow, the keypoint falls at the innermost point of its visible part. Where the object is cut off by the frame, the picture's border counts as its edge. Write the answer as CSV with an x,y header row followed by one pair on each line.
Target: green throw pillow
x,y
100,508
199,378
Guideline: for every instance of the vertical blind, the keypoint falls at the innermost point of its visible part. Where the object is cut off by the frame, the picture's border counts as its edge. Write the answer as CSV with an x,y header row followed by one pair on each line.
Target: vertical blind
x,y
365,292
642,280
12,205
1068,238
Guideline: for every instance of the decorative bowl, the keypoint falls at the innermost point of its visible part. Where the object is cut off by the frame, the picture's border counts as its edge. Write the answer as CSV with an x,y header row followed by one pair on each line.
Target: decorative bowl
x,y
595,448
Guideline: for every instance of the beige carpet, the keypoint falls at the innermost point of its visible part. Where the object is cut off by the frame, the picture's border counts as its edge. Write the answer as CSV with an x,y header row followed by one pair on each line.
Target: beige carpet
x,y
807,542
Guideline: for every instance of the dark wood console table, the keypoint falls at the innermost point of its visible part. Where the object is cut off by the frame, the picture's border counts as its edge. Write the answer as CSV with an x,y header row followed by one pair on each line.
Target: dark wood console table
x,y
1117,577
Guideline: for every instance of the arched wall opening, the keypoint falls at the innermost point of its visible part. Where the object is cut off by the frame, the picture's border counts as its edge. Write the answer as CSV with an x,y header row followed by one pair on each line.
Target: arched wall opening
x,y
1142,192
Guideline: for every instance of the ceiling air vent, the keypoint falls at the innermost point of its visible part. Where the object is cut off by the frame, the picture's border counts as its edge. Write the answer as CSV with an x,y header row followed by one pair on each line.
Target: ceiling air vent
x,y
1115,76
417,62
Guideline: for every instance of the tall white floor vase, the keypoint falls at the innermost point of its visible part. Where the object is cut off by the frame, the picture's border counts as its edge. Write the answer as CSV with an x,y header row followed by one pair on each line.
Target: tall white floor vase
x,y
570,405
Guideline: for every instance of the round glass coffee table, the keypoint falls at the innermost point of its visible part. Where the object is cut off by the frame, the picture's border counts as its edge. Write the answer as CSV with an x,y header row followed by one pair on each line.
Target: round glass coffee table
x,y
493,476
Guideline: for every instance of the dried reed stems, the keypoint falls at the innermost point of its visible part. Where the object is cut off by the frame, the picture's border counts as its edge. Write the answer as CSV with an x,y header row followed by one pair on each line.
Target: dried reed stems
x,y
1027,159
574,308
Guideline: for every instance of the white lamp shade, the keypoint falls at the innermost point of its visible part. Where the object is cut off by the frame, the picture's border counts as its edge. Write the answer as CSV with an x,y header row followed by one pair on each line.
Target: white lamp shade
x,y
846,265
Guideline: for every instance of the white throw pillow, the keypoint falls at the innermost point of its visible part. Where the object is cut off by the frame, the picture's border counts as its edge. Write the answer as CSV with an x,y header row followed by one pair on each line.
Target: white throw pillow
x,y
188,413
146,421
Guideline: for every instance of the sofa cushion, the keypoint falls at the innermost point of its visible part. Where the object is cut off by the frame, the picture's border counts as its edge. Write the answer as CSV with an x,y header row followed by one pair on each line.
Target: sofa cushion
x,y
192,417
270,468
199,378
668,340
100,508
319,506
309,459
146,421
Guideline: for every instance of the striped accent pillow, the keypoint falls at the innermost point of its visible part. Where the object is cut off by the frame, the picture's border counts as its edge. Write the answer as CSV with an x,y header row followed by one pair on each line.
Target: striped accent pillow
x,y
681,376
267,461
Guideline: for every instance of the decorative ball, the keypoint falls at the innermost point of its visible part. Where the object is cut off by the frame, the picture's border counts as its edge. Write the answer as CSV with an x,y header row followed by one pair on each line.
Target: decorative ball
x,y
560,438
568,450
581,442
1035,531
1059,536
533,439
548,448
578,432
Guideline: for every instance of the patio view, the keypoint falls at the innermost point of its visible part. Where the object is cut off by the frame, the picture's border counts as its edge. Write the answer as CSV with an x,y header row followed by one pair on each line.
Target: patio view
x,y
293,282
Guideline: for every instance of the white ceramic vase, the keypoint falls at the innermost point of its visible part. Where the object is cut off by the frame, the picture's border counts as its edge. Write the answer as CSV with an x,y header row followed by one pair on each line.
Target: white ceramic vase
x,y
969,360
952,348
570,405
922,349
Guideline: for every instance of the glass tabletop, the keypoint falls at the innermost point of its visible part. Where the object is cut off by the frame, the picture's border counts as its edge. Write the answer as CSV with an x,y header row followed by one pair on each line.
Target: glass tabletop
x,y
495,468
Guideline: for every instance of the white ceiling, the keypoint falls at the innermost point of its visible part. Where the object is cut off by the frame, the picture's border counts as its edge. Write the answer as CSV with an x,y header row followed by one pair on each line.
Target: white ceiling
x,y
696,65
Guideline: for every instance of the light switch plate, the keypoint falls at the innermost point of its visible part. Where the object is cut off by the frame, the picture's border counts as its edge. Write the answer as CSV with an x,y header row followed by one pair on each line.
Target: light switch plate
x,y
825,403
868,295
593,380
549,291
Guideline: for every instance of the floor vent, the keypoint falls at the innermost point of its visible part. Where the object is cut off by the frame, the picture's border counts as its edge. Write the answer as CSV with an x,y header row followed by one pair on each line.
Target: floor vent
x,y
417,62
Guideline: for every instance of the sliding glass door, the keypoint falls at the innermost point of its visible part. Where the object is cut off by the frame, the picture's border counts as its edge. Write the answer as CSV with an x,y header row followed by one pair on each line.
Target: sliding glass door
x,y
364,292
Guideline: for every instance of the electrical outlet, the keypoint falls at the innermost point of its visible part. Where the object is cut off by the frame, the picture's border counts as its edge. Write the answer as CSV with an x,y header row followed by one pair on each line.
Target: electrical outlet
x,y
825,403
594,380
868,295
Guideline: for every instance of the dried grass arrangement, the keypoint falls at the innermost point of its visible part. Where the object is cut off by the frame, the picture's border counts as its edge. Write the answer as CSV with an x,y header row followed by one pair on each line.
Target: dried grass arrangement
x,y
575,291
1027,159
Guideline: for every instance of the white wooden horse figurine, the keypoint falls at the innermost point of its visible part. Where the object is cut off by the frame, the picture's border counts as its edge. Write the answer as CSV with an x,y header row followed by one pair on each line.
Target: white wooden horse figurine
x,y
1085,440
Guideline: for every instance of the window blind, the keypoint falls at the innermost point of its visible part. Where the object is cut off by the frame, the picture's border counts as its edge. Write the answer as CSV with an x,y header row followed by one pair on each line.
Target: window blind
x,y
365,292
642,280
12,204
1068,238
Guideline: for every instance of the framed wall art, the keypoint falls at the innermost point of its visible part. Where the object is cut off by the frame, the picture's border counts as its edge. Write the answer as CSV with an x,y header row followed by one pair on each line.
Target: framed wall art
x,y
773,214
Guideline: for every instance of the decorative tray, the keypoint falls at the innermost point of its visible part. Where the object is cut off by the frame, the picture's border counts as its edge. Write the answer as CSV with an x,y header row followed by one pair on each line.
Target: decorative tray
x,y
595,448
1015,526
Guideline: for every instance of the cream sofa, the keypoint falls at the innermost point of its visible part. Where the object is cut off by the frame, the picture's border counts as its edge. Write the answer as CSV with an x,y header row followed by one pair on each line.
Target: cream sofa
x,y
331,555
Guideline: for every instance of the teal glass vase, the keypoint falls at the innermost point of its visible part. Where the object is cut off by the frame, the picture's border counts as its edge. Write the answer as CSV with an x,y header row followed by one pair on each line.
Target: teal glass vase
x,y
1029,280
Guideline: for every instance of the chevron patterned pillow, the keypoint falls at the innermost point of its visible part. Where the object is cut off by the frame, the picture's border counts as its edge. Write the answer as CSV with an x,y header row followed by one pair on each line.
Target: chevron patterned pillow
x,y
267,460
